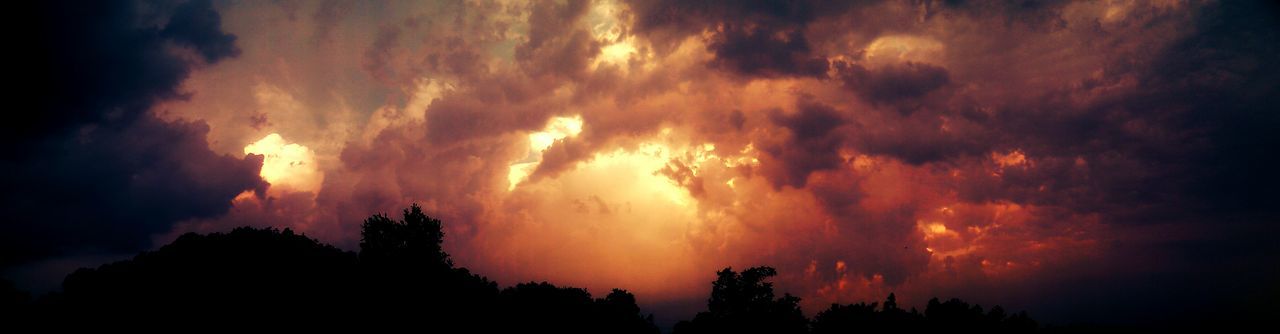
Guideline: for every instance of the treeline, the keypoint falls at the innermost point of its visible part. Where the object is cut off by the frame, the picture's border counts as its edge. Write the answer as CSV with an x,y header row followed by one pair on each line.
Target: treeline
x,y
402,279
745,303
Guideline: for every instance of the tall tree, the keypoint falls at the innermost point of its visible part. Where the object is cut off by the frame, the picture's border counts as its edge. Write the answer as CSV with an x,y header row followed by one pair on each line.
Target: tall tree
x,y
415,241
745,303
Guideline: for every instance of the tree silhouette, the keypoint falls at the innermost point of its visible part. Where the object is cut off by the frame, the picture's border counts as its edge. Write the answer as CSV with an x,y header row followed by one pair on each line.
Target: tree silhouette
x,y
229,279
618,313
403,279
406,277
545,308
860,317
744,303
400,279
414,242
953,315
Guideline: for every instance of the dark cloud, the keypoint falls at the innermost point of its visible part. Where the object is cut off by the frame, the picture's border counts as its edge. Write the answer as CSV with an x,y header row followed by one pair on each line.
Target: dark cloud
x,y
1035,15
557,44
668,21
810,144
1226,87
1169,141
764,53
114,185
197,25
95,170
811,120
922,137
104,61
1186,131
684,15
763,38
892,83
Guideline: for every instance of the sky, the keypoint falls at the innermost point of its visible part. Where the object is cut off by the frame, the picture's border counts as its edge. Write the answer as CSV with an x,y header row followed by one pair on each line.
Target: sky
x,y
1101,161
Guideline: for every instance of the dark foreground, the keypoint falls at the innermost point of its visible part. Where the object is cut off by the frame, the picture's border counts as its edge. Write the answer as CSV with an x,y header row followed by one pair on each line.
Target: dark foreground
x,y
402,280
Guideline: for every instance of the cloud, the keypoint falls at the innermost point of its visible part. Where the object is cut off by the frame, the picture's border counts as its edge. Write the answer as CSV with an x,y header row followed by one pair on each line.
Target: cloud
x,y
893,83
197,25
987,150
762,52
287,165
753,38
97,171
810,145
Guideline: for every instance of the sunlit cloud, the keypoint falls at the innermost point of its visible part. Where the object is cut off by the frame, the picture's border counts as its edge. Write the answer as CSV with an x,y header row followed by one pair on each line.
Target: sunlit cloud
x,y
557,128
923,148
287,166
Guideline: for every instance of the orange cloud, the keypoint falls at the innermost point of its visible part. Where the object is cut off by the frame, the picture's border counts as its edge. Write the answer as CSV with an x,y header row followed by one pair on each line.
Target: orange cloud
x,y
860,148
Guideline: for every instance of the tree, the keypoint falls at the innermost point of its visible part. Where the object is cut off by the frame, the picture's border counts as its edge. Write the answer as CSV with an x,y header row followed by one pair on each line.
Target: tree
x,y
401,279
407,277
951,316
744,303
545,308
891,303
414,242
618,313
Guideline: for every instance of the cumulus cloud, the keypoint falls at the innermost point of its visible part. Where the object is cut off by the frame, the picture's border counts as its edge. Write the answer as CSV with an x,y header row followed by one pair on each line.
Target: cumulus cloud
x,y
967,148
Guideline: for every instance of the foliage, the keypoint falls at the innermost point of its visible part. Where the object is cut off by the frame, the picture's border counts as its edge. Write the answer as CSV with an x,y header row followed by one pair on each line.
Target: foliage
x,y
744,303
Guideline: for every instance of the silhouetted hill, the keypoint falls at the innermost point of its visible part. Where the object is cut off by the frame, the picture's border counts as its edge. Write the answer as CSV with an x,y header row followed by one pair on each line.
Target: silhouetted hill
x,y
246,278
244,274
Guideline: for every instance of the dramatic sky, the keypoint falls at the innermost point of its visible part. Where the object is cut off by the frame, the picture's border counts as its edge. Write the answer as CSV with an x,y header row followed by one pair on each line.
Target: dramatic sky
x,y
1075,159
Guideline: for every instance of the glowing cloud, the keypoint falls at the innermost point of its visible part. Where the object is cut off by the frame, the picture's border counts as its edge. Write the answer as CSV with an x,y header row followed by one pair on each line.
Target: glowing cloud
x,y
286,165
899,48
557,128
615,206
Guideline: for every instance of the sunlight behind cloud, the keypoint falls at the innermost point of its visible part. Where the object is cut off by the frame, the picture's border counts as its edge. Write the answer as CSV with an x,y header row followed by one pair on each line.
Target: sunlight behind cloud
x,y
557,128
899,48
606,26
287,165
613,206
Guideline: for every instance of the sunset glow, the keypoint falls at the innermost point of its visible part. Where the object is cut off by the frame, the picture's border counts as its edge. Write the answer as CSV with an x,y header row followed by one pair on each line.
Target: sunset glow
x,y
287,165
1055,156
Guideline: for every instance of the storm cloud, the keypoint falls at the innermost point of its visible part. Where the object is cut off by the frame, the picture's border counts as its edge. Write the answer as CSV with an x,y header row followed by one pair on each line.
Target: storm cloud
x,y
93,169
1046,156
